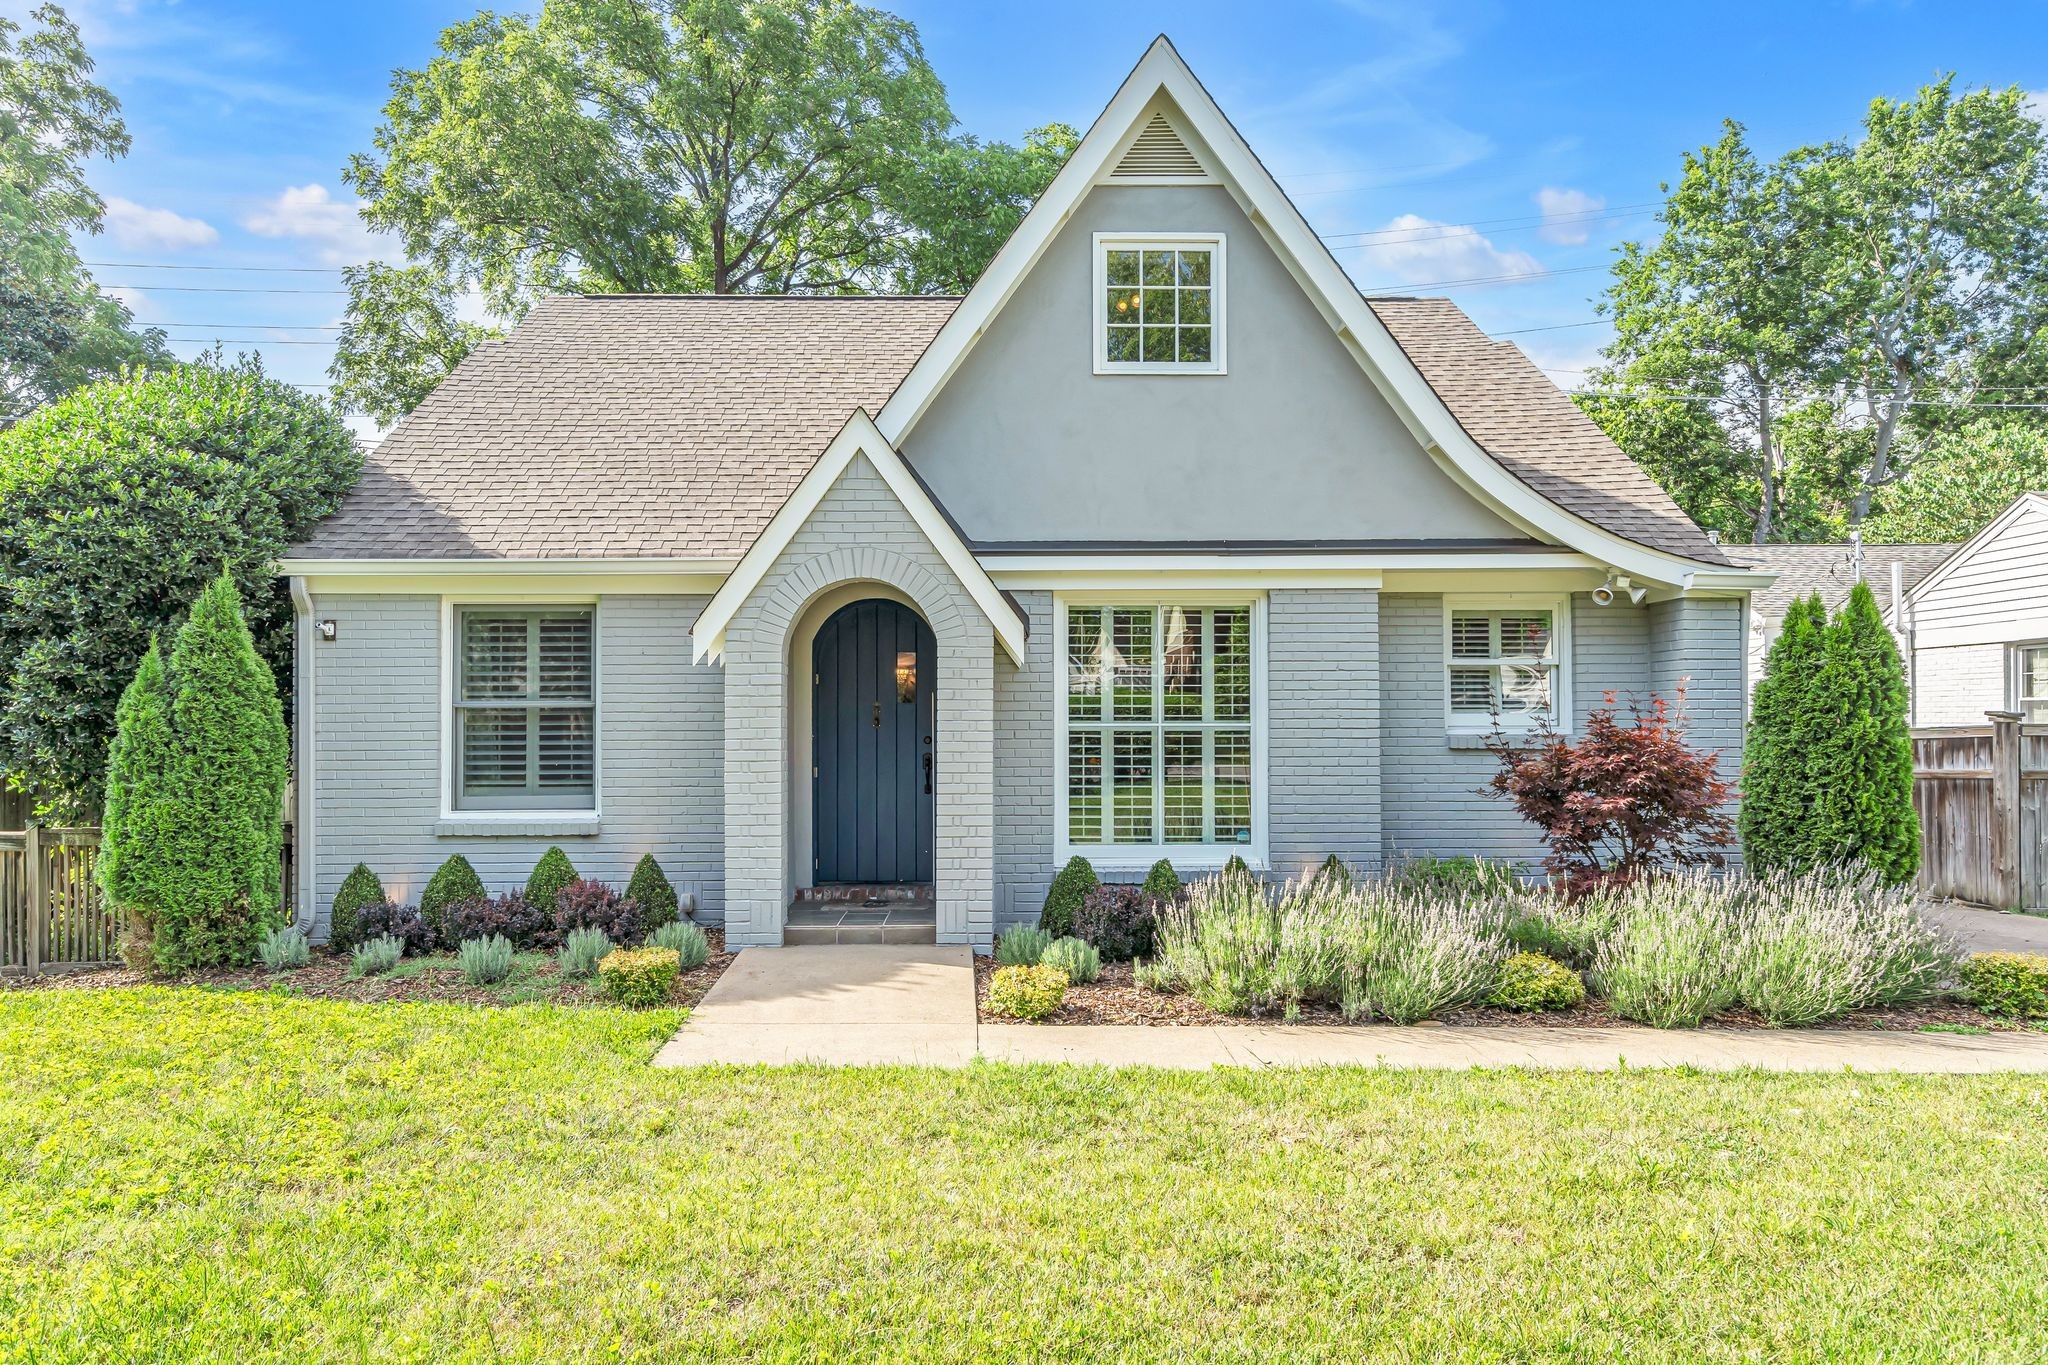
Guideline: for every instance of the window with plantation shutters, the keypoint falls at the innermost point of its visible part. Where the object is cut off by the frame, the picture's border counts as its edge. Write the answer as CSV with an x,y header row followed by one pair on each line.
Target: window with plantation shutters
x,y
1158,712
1502,664
525,709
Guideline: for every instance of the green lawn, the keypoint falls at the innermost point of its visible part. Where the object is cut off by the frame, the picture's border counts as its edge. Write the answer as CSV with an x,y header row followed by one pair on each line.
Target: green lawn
x,y
197,1173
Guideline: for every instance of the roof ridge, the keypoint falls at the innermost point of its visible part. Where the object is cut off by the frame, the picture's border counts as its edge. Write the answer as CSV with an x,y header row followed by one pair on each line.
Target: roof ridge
x,y
763,298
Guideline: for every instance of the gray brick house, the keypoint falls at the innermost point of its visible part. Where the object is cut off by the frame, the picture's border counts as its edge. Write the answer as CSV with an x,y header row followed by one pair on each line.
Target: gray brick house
x,y
1163,541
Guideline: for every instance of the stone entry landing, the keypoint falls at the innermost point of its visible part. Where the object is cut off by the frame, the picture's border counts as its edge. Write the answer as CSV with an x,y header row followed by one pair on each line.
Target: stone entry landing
x,y
824,916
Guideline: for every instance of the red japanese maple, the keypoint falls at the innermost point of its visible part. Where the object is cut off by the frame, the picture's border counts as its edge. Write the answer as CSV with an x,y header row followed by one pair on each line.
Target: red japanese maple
x,y
1628,799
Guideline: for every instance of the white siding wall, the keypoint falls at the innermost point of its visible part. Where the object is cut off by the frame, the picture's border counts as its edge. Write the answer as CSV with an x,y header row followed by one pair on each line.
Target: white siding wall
x,y
1993,592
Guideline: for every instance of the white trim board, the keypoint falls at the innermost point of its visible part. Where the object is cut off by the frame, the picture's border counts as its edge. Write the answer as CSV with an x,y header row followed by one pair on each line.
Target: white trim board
x,y
859,437
1162,80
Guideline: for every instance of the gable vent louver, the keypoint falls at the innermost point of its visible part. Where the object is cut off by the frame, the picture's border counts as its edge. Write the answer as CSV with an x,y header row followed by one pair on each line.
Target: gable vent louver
x,y
1158,153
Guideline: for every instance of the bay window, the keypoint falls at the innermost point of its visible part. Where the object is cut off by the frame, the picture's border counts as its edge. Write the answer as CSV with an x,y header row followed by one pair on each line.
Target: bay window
x,y
1159,708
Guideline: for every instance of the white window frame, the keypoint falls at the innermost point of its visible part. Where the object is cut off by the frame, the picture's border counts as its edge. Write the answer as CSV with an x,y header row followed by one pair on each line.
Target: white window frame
x,y
1098,312
451,644
1560,608
2016,675
1185,857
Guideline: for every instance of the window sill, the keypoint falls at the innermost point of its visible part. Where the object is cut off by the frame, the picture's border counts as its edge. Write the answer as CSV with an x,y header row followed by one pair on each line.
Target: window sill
x,y
1113,858
523,827
1478,740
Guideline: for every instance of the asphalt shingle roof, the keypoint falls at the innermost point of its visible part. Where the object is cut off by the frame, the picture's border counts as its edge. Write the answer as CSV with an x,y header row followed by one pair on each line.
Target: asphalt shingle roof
x,y
673,426
1830,571
627,427
1534,431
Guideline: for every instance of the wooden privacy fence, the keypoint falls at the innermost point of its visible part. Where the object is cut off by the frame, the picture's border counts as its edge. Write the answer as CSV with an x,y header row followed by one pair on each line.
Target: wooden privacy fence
x,y
1982,795
52,917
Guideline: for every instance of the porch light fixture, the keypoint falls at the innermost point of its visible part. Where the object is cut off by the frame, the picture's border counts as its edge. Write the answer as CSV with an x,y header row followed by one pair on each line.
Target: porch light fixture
x,y
906,676
328,630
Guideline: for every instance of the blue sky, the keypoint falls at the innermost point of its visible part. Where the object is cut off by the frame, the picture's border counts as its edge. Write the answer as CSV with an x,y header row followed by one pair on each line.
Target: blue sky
x,y
1545,127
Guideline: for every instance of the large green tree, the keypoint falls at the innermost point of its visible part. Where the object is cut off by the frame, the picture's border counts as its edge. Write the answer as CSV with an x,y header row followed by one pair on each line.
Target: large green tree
x,y
1833,310
57,330
118,503
664,146
1773,821
1961,481
1859,762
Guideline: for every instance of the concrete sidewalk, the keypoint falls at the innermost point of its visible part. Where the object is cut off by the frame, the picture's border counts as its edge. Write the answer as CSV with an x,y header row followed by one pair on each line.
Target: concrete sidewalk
x,y
871,1006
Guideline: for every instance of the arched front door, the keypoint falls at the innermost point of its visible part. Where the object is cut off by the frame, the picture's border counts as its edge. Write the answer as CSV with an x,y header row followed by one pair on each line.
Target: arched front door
x,y
873,733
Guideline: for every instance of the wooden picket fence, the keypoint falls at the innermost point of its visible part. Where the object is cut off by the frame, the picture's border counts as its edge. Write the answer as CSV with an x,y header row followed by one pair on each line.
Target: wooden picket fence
x,y
52,916
1982,795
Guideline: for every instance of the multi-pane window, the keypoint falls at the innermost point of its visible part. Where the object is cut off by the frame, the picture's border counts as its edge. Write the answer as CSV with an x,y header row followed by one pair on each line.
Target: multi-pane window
x,y
525,709
1502,662
2031,683
1159,725
1160,306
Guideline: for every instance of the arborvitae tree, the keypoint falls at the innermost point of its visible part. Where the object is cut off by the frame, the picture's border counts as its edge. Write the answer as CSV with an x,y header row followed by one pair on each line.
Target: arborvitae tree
x,y
553,872
358,889
226,790
1162,882
1064,897
136,842
1859,751
657,899
455,880
1774,821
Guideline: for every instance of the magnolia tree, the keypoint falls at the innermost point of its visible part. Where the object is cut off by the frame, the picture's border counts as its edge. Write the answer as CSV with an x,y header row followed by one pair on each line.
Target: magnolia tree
x,y
1629,799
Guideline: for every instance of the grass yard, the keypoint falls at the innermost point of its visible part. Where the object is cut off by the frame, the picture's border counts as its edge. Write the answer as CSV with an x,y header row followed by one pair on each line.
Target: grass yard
x,y
234,1175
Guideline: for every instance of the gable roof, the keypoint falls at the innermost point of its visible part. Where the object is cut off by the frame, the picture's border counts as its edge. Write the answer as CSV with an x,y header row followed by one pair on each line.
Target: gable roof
x,y
1623,504
1830,570
858,439
2023,506
627,426
645,427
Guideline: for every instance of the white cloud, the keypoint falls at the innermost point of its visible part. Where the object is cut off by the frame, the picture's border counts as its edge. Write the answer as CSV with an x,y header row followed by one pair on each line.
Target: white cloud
x,y
310,213
1416,250
2037,104
134,225
1564,214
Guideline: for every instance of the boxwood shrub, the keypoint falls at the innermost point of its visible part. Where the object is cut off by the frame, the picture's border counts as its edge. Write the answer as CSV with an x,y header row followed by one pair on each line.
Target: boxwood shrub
x,y
639,977
358,889
553,872
2012,985
1064,897
1030,993
649,889
1531,981
455,880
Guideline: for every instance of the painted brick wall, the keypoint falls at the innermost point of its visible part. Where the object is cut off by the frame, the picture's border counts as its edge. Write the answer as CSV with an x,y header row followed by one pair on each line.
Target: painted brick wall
x,y
1430,791
859,532
1957,684
376,753
1024,770
1323,728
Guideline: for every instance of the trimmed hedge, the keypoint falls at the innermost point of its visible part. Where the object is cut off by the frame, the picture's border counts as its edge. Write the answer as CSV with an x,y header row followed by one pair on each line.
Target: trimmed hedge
x,y
1064,897
358,889
639,978
1029,993
2012,985
649,888
1531,981
455,880
1162,882
553,872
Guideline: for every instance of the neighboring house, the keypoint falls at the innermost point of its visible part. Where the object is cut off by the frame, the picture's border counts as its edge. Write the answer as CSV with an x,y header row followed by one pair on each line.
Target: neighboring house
x,y
1830,570
1977,626
1163,541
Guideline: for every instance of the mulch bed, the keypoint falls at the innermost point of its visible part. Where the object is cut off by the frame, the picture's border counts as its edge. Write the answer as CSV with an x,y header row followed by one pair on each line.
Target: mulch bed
x,y
1116,998
438,979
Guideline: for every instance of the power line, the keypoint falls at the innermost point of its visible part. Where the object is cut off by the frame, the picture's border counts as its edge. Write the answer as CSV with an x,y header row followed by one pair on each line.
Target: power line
x,y
253,269
1553,327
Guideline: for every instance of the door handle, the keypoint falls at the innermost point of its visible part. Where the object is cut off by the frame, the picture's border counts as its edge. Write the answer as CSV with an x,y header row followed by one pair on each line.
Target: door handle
x,y
927,774
878,715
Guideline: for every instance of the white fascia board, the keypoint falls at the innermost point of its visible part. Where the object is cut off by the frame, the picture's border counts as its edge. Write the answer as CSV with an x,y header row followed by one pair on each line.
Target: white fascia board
x,y
457,568
859,437
2021,505
1254,564
1161,70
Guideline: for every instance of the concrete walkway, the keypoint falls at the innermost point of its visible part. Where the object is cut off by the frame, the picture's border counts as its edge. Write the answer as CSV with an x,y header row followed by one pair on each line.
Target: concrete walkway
x,y
862,1006
1992,931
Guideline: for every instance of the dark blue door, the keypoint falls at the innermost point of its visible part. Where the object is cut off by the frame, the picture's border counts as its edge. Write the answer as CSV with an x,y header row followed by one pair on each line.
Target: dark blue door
x,y
872,738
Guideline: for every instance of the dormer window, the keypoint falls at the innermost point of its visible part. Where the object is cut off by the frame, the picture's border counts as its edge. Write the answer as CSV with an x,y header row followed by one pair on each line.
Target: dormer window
x,y
1158,304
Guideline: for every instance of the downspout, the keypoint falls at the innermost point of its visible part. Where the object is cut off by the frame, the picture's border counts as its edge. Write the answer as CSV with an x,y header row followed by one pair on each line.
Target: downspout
x,y
303,635
1902,626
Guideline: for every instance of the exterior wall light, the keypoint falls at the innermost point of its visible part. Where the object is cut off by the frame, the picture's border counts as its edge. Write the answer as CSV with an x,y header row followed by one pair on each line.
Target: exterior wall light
x,y
328,630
